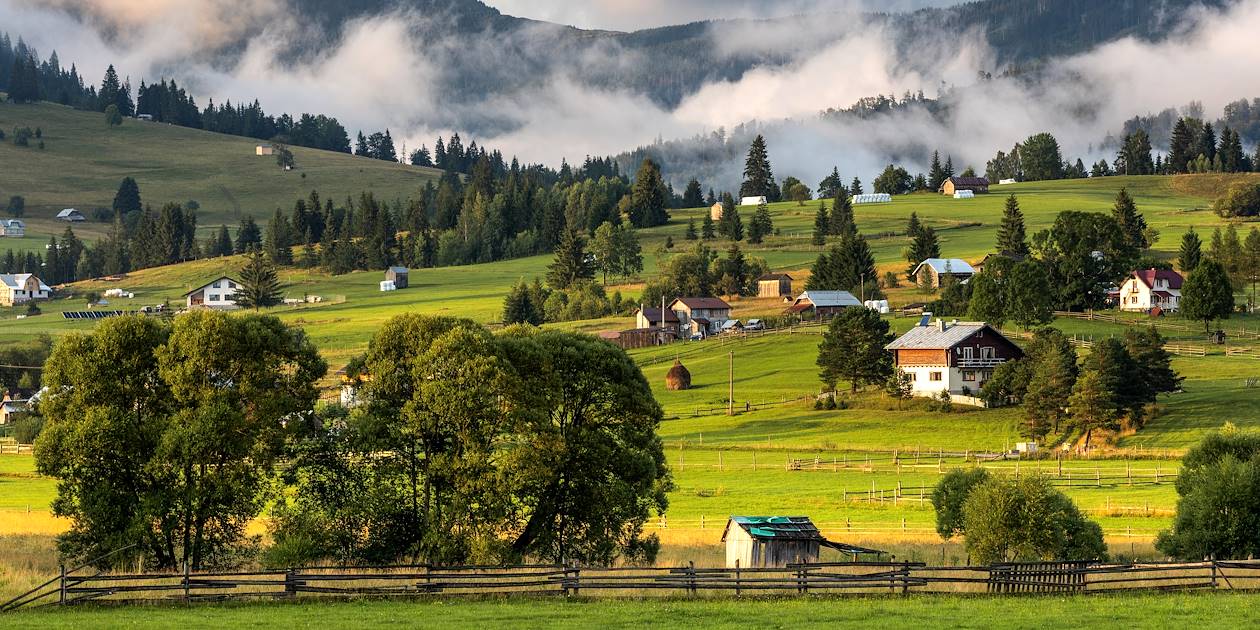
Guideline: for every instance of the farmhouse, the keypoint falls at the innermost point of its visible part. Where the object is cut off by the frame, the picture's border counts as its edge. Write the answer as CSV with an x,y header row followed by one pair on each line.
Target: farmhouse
x,y
934,270
989,258
14,402
18,288
977,185
1149,289
752,201
764,542
715,212
703,316
219,294
822,304
953,357
651,318
12,228
774,285
71,215
397,275
264,149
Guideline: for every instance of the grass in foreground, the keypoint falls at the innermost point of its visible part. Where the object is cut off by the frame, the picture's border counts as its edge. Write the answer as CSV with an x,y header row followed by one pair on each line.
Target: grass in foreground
x,y
1203,610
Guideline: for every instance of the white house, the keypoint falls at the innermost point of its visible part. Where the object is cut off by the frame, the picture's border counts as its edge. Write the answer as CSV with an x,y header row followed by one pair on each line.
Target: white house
x,y
220,294
953,357
1150,288
71,215
704,316
752,201
18,288
12,227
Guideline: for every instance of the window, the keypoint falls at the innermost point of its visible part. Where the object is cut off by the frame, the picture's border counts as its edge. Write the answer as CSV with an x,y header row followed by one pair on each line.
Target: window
x,y
214,297
968,353
969,376
914,376
988,353
231,285
217,285
935,377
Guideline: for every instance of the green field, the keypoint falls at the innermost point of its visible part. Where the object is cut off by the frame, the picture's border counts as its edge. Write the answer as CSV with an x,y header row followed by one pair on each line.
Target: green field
x,y
83,161
1218,610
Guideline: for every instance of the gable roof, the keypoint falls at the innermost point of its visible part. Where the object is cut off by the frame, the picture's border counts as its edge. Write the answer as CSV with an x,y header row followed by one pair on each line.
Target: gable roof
x,y
400,270
18,281
654,315
12,223
1149,276
931,337
68,212
703,303
829,299
946,265
774,277
207,285
969,181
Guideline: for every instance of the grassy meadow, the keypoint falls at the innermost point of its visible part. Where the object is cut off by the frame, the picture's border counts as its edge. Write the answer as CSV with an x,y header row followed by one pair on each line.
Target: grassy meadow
x,y
83,160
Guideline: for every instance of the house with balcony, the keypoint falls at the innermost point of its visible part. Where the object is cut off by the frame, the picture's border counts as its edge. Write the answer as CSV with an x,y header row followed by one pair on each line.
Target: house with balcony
x,y
1149,289
954,357
219,294
702,316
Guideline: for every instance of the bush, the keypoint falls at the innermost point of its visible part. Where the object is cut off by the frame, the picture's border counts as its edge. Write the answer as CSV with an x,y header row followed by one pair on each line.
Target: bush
x,y
1242,200
949,496
1025,519
1218,512
27,427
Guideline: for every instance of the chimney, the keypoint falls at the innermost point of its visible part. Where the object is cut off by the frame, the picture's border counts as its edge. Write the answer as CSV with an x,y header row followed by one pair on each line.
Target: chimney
x,y
940,325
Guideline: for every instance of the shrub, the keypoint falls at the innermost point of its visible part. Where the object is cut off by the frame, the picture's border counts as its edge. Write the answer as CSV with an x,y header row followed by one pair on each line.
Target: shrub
x,y
1242,200
1218,512
27,427
949,496
1023,519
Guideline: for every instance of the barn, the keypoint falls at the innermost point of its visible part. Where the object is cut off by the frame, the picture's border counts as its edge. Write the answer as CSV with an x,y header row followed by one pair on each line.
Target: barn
x,y
778,541
715,212
977,185
774,285
399,276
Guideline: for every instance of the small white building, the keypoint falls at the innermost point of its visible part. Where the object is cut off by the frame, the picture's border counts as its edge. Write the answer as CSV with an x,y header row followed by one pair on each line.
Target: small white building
x,y
219,294
71,215
12,228
19,288
953,357
752,201
1151,288
264,149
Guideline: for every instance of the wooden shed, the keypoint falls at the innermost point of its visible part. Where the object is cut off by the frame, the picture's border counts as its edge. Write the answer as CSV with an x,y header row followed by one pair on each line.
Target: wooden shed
x,y
397,275
774,285
715,212
777,541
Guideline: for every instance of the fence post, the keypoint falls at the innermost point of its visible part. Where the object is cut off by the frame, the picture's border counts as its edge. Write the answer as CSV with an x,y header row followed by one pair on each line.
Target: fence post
x,y
1213,573
738,590
577,579
691,577
62,600
186,585
290,583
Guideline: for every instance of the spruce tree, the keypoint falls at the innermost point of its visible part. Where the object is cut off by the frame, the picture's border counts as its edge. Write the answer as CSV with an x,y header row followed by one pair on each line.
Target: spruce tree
x,y
822,226
648,197
571,264
708,231
924,246
856,187
1012,239
1206,145
842,222
693,196
518,308
936,174
1181,148
127,199
260,284
691,230
1191,252
1132,223
248,236
758,176
761,226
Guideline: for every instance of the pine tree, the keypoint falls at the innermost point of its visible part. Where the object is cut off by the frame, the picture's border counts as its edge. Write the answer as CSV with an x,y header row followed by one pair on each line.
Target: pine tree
x,y
949,168
571,264
127,199
758,176
518,308
830,184
260,284
822,226
762,225
924,246
936,174
1181,148
1191,252
1012,239
279,241
248,236
842,222
692,235
1206,146
708,231
1132,223
693,196
856,187
648,197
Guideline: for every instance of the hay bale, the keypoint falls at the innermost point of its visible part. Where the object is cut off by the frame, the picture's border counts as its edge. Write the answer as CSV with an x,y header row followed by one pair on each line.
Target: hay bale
x,y
678,378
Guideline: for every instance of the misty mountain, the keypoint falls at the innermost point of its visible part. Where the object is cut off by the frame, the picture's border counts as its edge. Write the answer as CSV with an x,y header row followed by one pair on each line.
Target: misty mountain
x,y
484,52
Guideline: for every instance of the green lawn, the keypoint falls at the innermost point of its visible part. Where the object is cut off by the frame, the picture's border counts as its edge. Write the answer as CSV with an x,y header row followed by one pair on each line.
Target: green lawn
x,y
83,161
1203,610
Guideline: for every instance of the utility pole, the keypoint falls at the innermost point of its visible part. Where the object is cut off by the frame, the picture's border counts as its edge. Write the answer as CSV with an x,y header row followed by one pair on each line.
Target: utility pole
x,y
730,408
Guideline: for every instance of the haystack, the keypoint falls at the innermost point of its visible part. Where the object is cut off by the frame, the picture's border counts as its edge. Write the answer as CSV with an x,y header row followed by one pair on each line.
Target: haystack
x,y
678,378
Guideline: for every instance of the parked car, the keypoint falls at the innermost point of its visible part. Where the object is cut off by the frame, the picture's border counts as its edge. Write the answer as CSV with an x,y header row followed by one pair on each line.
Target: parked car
x,y
755,324
697,337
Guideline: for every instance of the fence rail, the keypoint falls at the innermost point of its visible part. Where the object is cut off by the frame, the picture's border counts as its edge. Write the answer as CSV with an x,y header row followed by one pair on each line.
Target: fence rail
x,y
864,578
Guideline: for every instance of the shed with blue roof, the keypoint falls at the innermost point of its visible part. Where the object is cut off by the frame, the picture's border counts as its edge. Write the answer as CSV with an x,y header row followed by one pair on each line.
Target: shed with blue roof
x,y
777,541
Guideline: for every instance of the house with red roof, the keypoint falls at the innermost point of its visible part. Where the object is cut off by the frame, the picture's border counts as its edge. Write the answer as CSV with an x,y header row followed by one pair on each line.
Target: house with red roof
x,y
1148,289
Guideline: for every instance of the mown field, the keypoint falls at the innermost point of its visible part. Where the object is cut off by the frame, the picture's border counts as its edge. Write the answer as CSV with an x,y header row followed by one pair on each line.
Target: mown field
x,y
1203,610
84,160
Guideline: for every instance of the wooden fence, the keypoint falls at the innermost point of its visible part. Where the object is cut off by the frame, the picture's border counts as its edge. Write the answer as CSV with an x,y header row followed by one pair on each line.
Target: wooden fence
x,y
864,578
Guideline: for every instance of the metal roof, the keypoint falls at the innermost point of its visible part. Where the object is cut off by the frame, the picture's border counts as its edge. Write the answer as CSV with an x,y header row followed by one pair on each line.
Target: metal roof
x,y
703,303
18,281
399,269
946,265
829,299
777,527
931,337
1149,276
773,276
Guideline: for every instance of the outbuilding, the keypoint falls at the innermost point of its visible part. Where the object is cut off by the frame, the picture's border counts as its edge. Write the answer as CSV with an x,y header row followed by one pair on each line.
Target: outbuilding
x,y
12,228
398,275
934,271
774,285
752,201
715,212
823,304
977,185
765,542
71,215
264,149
